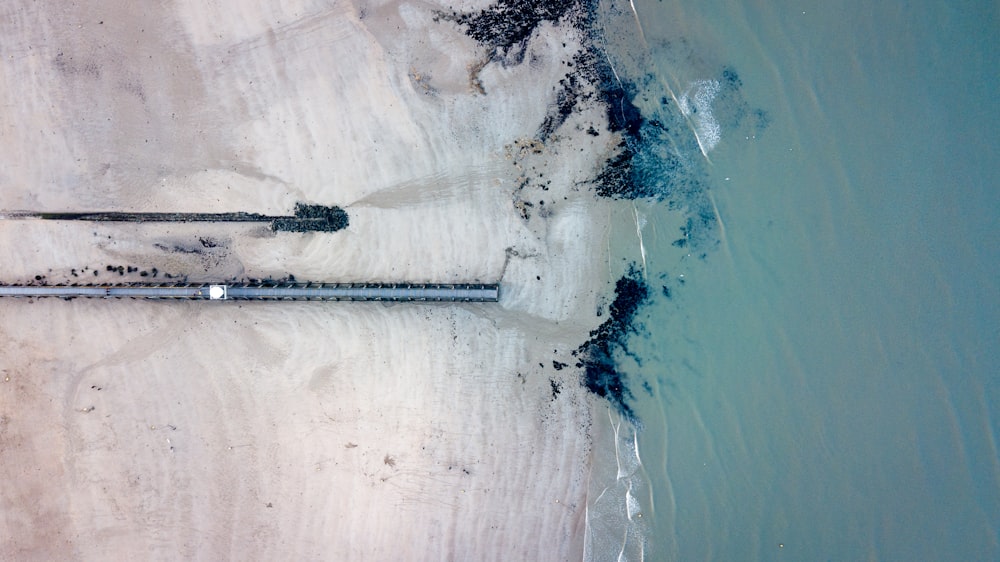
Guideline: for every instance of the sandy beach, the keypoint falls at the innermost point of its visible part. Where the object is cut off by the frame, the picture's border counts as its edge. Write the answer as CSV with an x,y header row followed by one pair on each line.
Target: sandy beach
x,y
301,431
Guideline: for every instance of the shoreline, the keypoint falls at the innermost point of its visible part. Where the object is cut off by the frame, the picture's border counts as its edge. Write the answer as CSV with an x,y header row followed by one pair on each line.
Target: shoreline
x,y
257,431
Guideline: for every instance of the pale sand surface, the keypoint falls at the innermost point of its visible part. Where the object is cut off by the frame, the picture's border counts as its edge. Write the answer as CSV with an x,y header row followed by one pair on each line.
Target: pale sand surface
x,y
139,430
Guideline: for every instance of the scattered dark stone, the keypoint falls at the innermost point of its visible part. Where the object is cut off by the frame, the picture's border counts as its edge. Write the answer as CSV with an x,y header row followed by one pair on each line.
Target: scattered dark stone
x,y
558,366
556,388
208,242
570,93
522,210
143,273
95,273
179,249
647,387
38,278
730,77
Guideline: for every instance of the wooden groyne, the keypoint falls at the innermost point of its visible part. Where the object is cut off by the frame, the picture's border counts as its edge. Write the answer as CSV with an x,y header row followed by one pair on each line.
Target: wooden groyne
x,y
268,291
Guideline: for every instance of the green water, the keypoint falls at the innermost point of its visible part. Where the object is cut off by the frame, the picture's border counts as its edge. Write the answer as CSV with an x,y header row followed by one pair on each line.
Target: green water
x,y
823,384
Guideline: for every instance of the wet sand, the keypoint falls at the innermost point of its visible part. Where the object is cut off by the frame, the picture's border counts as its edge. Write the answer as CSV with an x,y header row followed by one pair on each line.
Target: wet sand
x,y
137,430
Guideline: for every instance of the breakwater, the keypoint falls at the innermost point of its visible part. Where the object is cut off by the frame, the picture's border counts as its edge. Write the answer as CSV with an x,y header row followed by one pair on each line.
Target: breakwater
x,y
306,218
267,291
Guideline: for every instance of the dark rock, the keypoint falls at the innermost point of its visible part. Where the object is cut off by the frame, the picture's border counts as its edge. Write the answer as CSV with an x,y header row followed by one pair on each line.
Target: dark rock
x,y
505,26
312,218
597,355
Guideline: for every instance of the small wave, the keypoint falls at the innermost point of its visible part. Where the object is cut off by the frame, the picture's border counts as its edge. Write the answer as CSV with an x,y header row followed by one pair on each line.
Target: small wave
x,y
614,526
696,104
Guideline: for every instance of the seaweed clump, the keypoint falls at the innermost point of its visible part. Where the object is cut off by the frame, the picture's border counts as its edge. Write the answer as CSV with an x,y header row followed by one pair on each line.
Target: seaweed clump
x,y
312,218
597,356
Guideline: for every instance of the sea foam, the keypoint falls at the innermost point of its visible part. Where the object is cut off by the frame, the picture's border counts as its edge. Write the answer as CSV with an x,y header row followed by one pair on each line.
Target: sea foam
x,y
696,104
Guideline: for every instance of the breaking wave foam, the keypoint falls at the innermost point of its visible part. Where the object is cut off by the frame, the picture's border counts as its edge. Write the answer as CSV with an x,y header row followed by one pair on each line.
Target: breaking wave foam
x,y
696,104
614,527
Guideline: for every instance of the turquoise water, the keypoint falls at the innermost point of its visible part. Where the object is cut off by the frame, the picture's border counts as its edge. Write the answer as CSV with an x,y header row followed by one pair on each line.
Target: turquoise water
x,y
823,382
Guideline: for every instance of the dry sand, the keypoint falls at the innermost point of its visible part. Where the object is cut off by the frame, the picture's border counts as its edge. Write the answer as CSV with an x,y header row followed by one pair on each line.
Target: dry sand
x,y
304,431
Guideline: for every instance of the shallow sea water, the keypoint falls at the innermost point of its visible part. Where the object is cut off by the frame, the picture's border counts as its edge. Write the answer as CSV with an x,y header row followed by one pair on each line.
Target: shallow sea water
x,y
821,384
